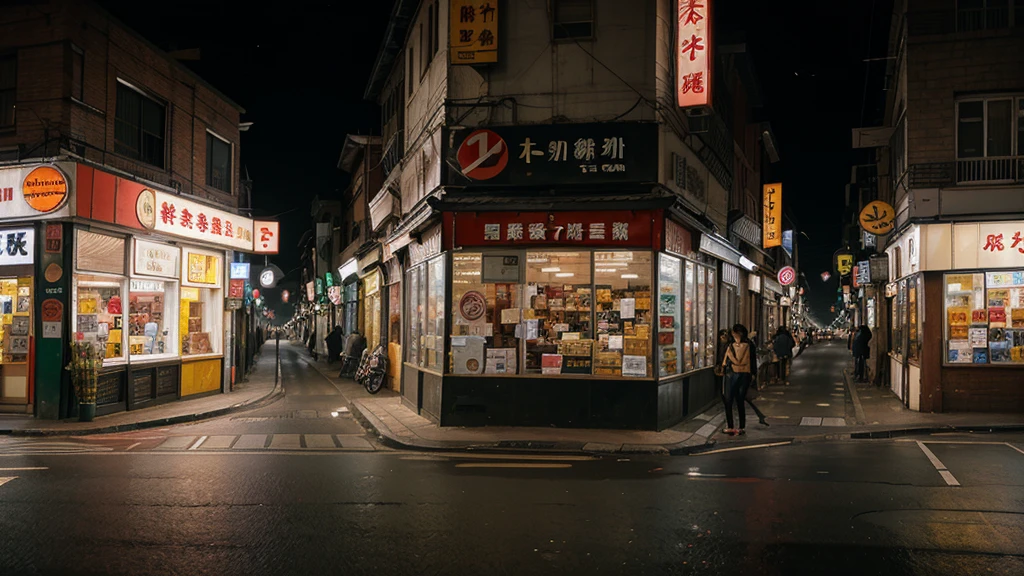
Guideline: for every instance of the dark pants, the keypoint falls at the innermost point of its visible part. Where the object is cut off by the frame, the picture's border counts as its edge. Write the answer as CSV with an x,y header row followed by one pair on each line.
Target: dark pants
x,y
783,367
735,392
860,371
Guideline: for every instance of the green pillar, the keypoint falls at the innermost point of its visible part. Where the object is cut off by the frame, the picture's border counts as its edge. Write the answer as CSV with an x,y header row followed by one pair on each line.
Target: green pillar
x,y
52,302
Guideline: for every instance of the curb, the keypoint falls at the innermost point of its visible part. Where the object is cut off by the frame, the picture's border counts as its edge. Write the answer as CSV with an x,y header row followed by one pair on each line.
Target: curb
x,y
269,398
372,423
936,429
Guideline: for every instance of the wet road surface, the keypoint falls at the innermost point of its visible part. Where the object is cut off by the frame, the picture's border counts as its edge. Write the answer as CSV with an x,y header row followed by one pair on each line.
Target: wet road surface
x,y
163,502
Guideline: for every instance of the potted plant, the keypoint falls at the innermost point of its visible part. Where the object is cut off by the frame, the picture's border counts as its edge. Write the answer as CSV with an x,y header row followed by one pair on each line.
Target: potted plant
x,y
86,361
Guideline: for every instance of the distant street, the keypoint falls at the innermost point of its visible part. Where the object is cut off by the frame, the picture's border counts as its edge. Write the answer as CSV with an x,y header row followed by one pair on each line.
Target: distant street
x,y
309,493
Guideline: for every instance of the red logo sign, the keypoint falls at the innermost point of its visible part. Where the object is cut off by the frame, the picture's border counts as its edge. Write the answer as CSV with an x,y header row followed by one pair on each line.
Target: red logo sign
x,y
787,275
472,305
52,310
483,155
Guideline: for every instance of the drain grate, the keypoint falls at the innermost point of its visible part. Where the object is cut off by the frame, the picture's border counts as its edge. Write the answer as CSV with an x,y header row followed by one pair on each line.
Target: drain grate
x,y
525,444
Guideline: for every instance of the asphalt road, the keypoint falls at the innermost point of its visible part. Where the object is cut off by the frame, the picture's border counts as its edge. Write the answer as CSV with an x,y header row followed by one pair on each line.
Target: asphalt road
x,y
944,504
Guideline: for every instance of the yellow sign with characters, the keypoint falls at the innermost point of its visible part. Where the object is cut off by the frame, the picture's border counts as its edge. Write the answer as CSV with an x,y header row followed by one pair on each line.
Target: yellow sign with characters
x,y
772,225
473,31
877,218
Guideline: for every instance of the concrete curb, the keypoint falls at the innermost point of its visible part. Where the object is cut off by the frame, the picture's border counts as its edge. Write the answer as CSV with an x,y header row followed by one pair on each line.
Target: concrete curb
x,y
388,438
275,394
899,432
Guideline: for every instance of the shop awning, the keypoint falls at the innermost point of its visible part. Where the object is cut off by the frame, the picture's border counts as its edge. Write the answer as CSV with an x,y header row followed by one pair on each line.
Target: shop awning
x,y
720,248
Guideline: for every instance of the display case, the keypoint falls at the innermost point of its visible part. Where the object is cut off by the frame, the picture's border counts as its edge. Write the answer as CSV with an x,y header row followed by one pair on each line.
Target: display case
x,y
985,317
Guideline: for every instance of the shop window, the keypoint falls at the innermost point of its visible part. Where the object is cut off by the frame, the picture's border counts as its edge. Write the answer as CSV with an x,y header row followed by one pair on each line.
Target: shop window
x,y
898,310
485,339
372,309
201,303
395,314
985,317
670,298
559,291
415,316
350,312
151,318
139,125
622,285
8,90
913,320
218,163
98,316
690,334
427,314
16,324
710,344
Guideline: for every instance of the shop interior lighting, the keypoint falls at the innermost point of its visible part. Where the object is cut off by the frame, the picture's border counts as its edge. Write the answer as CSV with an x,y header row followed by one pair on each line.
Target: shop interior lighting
x,y
608,270
564,275
98,284
554,269
629,276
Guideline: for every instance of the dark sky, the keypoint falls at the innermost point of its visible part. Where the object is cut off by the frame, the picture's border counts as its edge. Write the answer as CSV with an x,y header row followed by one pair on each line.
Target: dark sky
x,y
300,68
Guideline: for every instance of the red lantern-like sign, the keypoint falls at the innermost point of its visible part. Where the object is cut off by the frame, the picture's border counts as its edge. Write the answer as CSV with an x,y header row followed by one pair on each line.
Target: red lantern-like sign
x,y
255,293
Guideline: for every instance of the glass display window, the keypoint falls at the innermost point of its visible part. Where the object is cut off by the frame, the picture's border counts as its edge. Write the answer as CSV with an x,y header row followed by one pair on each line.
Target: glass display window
x,y
558,286
913,321
15,319
152,318
710,343
200,320
98,314
481,342
670,317
427,314
690,334
415,316
435,314
985,317
622,284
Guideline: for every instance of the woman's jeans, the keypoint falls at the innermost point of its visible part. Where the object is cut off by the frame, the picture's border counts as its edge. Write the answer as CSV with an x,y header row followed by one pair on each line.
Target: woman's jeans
x,y
737,384
860,372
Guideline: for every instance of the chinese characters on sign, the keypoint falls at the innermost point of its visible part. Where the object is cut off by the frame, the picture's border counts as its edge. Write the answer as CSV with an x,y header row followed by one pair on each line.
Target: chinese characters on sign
x,y
473,31
579,153
877,218
180,217
17,246
583,228
267,240
772,225
693,38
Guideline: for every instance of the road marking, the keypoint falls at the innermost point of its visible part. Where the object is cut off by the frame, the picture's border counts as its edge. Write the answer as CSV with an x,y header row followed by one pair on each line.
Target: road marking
x,y
320,442
823,404
1014,447
939,466
833,422
198,443
285,441
25,468
513,465
250,442
176,443
734,448
810,421
222,442
793,402
132,446
533,457
6,479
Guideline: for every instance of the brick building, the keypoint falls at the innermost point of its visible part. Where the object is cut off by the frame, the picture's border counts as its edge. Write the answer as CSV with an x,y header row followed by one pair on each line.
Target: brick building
x,y
127,163
951,164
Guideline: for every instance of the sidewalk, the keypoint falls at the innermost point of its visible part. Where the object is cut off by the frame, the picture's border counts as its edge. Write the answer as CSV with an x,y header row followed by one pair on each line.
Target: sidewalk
x,y
399,427
257,391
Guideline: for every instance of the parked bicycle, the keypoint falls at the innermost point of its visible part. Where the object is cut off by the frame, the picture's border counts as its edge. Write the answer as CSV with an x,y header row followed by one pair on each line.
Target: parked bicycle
x,y
373,370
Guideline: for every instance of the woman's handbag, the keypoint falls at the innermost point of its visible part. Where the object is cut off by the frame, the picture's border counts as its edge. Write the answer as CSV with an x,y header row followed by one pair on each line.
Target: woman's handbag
x,y
719,370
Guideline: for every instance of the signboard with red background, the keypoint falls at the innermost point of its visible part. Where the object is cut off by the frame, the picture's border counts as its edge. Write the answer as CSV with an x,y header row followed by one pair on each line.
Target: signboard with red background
x,y
638,228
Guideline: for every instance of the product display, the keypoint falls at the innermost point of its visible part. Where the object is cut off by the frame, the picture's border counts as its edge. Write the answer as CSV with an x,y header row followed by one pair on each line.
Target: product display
x,y
15,319
985,317
147,331
99,316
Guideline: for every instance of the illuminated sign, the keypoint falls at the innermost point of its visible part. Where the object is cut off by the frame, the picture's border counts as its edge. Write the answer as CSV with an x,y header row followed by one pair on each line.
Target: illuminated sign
x,y
239,270
473,31
772,226
266,238
17,246
181,217
153,259
693,53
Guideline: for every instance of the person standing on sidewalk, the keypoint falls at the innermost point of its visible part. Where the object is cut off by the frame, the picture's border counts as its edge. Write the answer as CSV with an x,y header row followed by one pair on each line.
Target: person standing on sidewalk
x,y
739,361
722,374
334,342
861,352
782,346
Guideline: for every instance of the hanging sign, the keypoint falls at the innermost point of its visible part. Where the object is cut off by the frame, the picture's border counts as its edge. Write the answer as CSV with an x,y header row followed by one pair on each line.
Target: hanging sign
x,y
154,259
236,288
843,262
787,275
693,53
310,295
772,226
334,294
33,192
472,31
825,276
787,242
239,270
179,216
267,237
877,218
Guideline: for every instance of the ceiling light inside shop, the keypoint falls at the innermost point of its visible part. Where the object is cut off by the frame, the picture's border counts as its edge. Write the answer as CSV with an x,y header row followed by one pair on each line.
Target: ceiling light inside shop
x,y
629,276
611,270
555,269
564,275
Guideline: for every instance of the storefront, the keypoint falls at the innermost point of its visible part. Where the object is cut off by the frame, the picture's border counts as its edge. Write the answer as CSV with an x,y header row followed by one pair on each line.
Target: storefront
x,y
393,293
372,280
576,319
957,305
349,278
17,302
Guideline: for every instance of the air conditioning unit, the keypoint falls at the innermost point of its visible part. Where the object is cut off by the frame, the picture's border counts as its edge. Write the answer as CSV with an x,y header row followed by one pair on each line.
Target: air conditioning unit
x,y
698,120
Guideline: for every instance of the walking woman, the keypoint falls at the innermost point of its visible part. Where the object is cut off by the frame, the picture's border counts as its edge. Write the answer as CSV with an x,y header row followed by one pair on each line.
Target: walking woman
x,y
739,360
722,372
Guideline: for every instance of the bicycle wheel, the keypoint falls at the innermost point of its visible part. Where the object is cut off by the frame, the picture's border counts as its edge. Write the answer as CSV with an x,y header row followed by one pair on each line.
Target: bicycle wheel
x,y
374,382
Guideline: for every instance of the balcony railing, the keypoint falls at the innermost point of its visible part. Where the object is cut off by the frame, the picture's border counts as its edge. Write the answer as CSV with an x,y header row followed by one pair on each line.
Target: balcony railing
x,y
393,153
927,22
990,170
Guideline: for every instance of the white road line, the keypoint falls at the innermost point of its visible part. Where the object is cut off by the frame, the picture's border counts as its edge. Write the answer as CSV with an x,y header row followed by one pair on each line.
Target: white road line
x,y
198,443
6,479
26,468
1014,447
132,446
939,466
733,449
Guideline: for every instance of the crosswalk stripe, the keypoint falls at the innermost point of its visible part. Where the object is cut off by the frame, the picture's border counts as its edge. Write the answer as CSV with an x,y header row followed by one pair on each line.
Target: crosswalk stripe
x,y
250,442
176,443
319,441
198,443
285,441
218,442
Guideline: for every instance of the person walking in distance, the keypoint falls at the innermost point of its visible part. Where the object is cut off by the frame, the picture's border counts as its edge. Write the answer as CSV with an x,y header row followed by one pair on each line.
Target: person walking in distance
x,y
739,359
861,352
782,346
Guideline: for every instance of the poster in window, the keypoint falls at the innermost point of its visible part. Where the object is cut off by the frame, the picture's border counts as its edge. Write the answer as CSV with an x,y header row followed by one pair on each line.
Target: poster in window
x,y
19,326
634,366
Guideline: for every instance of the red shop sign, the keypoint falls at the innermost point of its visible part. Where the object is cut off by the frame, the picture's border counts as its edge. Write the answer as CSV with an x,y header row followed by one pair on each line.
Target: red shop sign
x,y
620,228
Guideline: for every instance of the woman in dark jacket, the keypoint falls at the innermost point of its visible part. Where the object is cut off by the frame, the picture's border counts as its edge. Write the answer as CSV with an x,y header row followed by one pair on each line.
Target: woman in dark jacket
x,y
782,346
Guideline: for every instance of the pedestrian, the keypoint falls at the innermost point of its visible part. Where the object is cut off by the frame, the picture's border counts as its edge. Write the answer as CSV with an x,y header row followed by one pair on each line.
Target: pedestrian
x,y
334,343
861,352
740,363
782,346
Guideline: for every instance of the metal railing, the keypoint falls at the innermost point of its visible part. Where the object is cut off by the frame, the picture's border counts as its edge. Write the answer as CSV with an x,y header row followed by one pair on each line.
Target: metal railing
x,y
992,169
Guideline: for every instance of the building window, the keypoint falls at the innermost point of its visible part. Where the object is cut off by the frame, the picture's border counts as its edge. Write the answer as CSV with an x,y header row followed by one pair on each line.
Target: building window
x,y
988,139
972,15
573,19
218,163
8,89
412,70
428,39
77,74
139,127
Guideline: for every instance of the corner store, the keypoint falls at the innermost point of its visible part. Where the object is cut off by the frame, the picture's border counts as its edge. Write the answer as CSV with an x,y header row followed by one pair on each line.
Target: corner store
x,y
116,261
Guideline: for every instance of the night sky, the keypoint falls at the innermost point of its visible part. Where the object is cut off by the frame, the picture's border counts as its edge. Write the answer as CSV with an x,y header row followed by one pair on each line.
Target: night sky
x,y
299,70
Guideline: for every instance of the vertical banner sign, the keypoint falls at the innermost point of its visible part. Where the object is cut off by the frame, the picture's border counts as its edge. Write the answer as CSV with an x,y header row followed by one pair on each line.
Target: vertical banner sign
x,y
473,31
772,225
693,53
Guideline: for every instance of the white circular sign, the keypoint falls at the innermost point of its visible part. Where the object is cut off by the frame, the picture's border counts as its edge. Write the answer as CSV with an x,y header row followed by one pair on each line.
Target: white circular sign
x,y
787,275
267,278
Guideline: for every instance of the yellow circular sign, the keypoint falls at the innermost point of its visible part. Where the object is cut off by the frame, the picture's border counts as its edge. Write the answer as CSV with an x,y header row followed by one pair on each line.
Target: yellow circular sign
x,y
877,218
145,208
45,189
